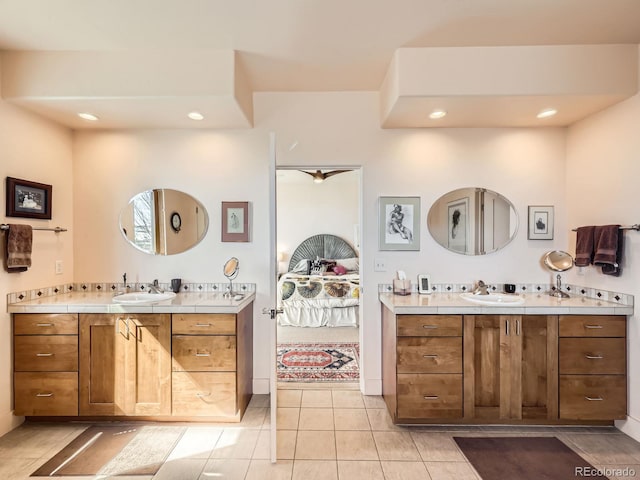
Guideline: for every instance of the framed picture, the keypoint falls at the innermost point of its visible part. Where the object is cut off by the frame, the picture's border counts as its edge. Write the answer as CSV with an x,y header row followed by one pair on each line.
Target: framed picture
x,y
235,221
28,199
458,225
540,222
399,223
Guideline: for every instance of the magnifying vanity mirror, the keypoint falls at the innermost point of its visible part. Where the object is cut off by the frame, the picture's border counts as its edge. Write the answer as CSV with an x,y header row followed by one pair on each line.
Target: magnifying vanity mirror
x,y
163,221
230,270
472,221
558,261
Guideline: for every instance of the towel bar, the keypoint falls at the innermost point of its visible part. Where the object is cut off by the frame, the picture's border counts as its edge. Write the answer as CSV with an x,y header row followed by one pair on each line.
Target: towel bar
x,y
622,227
4,226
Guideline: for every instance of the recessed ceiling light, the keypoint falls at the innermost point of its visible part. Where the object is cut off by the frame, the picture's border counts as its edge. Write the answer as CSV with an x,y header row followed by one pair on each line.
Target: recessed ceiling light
x,y
437,114
88,116
547,112
195,116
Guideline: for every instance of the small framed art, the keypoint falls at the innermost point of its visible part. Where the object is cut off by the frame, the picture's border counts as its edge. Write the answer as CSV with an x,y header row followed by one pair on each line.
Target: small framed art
x,y
235,221
28,199
540,222
399,223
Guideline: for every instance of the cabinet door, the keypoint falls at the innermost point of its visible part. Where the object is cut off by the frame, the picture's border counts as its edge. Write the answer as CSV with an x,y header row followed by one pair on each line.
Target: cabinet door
x,y
492,366
148,366
103,359
539,366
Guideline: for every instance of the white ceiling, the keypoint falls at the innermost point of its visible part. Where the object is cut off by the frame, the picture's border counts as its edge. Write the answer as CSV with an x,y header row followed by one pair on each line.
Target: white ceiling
x,y
306,45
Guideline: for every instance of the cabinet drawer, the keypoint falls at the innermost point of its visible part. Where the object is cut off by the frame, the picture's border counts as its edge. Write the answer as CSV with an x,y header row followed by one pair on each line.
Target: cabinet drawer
x,y
593,397
211,393
429,355
204,353
45,324
46,353
46,394
593,356
592,326
429,396
203,324
429,325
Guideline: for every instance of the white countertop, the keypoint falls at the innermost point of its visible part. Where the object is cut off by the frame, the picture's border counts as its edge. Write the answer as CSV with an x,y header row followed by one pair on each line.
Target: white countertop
x,y
93,302
534,304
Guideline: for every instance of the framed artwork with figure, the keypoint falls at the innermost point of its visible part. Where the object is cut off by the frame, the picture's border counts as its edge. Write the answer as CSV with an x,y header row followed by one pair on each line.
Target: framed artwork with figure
x,y
235,221
28,199
399,223
540,222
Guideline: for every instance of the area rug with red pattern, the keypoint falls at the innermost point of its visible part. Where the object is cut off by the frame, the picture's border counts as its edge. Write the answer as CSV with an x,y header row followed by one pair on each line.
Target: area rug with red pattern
x,y
318,362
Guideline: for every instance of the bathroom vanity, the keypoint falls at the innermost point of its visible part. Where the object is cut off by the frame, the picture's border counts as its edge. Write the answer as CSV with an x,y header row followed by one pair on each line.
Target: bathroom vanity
x,y
545,361
80,355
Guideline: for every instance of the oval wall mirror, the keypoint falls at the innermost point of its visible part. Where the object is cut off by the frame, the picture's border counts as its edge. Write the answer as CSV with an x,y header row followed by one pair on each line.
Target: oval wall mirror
x,y
472,221
163,221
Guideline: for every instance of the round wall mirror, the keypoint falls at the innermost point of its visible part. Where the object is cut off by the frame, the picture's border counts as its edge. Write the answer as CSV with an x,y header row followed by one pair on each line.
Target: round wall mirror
x,y
163,221
472,221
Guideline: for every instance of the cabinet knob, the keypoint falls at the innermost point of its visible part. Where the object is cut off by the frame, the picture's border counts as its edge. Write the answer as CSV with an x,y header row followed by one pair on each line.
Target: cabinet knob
x,y
44,324
594,357
593,326
430,356
431,397
429,326
203,324
44,354
202,354
594,399
200,395
44,394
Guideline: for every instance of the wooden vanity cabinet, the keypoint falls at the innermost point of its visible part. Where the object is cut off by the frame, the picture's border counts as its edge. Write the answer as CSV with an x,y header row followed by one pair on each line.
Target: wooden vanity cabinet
x,y
212,364
593,382
422,358
125,364
45,364
510,367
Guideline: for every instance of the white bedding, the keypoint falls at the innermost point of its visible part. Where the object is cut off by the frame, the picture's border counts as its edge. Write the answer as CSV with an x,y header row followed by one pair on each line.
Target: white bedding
x,y
319,300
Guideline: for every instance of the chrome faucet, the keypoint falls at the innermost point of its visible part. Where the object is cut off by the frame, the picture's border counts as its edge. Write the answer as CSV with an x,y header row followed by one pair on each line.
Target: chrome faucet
x,y
154,288
481,288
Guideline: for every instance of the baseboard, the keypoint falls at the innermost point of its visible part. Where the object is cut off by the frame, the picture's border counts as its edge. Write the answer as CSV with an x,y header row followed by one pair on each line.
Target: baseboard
x,y
630,426
371,386
8,422
261,385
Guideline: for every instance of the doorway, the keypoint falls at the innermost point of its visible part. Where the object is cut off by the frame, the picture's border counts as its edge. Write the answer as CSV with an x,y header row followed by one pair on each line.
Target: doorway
x,y
318,335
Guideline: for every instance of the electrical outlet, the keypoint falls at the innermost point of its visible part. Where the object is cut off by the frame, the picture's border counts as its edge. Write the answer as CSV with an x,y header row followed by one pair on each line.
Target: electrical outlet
x,y
379,265
59,267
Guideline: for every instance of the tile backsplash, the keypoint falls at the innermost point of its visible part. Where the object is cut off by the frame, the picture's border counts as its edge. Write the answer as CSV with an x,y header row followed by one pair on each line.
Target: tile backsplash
x,y
27,295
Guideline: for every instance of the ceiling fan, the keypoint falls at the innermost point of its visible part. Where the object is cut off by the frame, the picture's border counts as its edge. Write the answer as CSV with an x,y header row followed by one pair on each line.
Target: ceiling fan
x,y
319,177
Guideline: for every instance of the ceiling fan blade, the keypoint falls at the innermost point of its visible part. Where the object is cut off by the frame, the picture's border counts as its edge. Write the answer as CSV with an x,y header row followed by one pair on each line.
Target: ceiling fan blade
x,y
334,172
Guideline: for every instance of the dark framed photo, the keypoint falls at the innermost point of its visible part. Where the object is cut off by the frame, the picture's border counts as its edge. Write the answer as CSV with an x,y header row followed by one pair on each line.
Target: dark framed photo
x,y
399,223
235,221
540,222
28,199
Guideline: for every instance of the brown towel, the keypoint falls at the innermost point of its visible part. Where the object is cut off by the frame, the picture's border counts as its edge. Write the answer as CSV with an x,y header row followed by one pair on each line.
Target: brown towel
x,y
607,241
584,246
18,243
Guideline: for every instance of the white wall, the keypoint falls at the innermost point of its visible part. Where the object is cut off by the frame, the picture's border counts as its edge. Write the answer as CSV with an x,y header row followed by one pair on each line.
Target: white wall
x,y
603,168
306,208
332,129
32,148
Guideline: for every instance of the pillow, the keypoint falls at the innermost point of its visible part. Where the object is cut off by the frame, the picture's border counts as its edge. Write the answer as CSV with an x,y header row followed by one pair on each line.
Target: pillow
x,y
339,270
317,267
303,267
351,264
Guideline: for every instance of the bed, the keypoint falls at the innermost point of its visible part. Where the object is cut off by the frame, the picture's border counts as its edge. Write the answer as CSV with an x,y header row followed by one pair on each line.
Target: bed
x,y
322,286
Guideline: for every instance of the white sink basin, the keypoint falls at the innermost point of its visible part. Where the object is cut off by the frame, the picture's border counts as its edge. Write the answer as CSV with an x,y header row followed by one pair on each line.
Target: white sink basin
x,y
142,298
500,299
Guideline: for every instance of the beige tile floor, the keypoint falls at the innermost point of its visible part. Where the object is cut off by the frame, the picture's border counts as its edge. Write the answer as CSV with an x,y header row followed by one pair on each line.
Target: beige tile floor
x,y
323,434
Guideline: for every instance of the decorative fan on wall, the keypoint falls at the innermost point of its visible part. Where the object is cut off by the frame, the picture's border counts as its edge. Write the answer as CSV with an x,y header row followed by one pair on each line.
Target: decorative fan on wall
x,y
319,176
